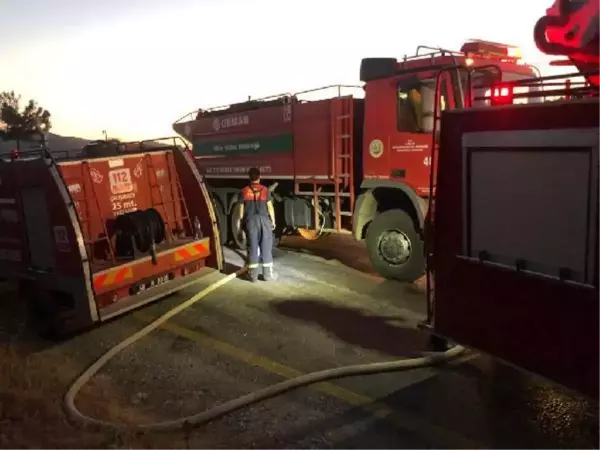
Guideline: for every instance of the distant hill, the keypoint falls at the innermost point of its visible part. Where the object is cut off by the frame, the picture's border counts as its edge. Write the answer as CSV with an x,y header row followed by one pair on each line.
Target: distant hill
x,y
55,142
58,143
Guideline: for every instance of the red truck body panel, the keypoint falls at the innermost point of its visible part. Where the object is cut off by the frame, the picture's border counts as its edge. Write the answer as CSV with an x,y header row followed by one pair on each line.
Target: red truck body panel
x,y
120,185
60,229
515,257
268,138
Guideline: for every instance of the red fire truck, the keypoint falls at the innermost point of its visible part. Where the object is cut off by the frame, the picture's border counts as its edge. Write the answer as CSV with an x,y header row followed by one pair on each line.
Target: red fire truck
x,y
513,257
349,163
91,235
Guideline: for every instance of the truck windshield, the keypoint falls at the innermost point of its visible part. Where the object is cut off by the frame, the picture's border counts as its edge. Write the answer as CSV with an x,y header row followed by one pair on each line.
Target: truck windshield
x,y
415,104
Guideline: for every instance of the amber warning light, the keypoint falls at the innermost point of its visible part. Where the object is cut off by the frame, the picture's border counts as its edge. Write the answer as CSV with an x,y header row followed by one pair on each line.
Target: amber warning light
x,y
491,50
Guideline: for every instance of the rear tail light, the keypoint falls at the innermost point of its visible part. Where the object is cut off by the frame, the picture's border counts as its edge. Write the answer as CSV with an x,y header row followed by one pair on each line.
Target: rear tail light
x,y
502,95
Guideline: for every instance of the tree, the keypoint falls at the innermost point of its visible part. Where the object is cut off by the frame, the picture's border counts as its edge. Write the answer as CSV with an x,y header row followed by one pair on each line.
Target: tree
x,y
21,125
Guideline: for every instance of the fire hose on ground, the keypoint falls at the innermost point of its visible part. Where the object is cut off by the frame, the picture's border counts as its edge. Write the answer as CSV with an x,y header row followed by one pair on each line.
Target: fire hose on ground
x,y
187,423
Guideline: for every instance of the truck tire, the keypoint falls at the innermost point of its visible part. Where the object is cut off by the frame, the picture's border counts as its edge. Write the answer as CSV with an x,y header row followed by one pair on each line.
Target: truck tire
x,y
394,246
237,234
223,222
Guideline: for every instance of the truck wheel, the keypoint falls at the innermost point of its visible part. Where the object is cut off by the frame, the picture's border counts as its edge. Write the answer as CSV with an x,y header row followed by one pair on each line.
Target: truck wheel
x,y
395,249
237,234
223,225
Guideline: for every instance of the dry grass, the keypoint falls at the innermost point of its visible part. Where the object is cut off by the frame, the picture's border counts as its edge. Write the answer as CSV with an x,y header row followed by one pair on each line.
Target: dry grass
x,y
33,382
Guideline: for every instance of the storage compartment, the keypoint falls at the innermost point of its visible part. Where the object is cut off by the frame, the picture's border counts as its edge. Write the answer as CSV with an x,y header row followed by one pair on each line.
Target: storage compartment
x,y
533,210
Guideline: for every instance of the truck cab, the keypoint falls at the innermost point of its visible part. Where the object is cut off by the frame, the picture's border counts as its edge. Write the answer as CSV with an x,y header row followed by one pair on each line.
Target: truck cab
x,y
399,123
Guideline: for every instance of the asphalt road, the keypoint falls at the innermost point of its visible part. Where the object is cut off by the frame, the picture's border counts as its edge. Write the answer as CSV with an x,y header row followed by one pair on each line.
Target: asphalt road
x,y
319,314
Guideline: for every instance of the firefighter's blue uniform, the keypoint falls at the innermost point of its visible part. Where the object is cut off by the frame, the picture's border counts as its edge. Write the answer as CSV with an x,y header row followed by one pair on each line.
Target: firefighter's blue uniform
x,y
259,230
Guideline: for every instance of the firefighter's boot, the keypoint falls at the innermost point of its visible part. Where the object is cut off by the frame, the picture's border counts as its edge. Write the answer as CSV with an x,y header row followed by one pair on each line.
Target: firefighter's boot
x,y
252,274
268,273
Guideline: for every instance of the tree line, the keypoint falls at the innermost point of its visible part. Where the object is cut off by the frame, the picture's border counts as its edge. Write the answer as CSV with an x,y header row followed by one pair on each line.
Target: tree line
x,y
19,123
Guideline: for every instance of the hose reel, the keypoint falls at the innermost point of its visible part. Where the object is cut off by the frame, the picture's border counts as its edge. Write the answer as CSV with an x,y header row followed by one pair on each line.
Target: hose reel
x,y
139,230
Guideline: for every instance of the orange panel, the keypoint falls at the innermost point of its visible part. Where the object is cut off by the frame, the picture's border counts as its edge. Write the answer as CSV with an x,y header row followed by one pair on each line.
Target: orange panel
x,y
115,276
191,251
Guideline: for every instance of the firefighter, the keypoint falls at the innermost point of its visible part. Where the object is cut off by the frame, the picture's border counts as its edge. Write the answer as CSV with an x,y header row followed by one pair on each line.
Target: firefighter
x,y
414,95
258,221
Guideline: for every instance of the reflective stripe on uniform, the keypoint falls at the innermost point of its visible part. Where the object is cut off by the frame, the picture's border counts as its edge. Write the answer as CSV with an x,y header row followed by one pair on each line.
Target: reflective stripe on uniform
x,y
254,266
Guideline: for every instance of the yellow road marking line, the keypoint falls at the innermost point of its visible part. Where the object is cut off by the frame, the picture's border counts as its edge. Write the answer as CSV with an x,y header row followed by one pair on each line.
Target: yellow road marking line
x,y
403,420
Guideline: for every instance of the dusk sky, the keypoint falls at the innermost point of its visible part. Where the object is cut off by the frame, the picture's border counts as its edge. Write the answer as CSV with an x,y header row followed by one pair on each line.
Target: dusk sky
x,y
133,67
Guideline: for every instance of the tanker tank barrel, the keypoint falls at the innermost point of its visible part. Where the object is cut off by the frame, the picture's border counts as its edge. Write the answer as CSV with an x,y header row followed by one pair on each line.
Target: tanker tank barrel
x,y
308,95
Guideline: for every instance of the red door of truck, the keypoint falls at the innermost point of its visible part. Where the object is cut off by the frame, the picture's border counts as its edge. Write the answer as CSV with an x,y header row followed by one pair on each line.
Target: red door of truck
x,y
397,142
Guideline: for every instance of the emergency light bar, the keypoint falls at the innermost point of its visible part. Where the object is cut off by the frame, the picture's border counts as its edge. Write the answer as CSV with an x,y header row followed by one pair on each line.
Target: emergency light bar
x,y
490,50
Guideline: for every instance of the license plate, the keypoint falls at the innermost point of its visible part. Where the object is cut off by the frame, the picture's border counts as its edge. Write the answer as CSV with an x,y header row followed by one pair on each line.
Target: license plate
x,y
151,283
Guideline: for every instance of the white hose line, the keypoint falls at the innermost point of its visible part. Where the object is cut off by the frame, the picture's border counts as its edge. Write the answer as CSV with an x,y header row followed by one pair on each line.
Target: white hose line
x,y
204,417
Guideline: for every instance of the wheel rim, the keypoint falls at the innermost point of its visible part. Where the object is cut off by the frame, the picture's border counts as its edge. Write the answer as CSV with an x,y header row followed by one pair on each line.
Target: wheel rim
x,y
308,234
394,247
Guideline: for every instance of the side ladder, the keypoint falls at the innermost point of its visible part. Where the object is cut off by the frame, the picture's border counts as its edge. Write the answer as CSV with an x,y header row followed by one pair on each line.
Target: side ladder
x,y
85,221
341,176
343,161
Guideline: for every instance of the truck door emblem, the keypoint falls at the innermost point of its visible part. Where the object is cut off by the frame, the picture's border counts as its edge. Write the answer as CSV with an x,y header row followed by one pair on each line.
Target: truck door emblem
x,y
376,148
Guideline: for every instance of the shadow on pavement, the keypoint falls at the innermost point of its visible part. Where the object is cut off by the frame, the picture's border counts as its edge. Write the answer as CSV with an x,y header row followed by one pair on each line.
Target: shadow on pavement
x,y
277,253
337,247
230,268
502,407
492,406
354,327
362,431
542,414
